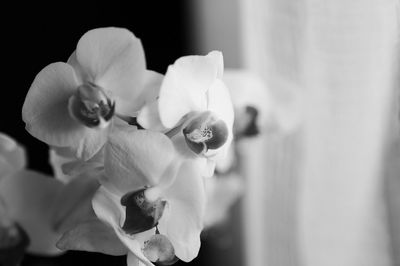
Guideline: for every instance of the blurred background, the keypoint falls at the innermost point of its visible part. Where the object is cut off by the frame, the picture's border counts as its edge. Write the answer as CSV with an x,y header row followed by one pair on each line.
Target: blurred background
x,y
322,187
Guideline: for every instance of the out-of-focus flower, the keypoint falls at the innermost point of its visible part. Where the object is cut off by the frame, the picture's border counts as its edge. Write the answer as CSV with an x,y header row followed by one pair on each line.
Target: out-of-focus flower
x,y
71,104
34,208
251,101
12,156
275,109
222,193
155,225
253,116
193,108
253,111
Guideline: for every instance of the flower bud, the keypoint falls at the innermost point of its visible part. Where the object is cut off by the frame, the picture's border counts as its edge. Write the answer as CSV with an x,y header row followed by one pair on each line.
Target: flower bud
x,y
91,106
205,131
141,215
159,249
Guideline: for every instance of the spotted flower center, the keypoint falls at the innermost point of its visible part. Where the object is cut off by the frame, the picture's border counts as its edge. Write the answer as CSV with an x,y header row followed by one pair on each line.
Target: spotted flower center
x,y
205,131
91,106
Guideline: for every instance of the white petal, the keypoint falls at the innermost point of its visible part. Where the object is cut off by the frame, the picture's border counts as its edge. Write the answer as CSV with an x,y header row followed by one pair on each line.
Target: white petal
x,y
108,209
45,110
218,60
136,158
92,236
113,58
184,87
182,220
148,95
73,203
219,102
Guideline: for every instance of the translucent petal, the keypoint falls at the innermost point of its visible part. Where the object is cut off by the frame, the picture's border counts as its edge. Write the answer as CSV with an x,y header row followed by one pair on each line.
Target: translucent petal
x,y
29,197
182,220
136,158
185,85
45,110
92,236
113,58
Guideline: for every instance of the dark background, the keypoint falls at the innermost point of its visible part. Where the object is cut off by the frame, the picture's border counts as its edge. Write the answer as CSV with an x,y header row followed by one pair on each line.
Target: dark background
x,y
38,34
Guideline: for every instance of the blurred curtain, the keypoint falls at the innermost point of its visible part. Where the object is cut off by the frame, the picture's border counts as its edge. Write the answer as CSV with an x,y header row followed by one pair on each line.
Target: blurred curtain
x,y
325,189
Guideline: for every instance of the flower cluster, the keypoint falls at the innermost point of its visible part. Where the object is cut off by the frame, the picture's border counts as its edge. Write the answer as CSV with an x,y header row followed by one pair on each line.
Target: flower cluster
x,y
136,144
132,151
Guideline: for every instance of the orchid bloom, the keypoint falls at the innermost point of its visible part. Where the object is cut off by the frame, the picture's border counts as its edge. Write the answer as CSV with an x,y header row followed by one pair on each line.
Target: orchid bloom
x,y
253,111
154,225
135,162
194,108
251,101
72,104
23,195
36,209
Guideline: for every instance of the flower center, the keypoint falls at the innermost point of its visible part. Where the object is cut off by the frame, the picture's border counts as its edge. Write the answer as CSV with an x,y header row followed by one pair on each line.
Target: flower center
x,y
205,131
141,214
91,106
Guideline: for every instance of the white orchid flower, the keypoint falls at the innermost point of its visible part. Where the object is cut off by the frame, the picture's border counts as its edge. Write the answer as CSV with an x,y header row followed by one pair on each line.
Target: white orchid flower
x,y
71,104
154,225
194,108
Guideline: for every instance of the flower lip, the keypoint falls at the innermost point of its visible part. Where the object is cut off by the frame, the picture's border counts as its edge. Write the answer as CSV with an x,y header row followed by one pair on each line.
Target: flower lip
x,y
91,106
141,214
205,131
159,249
